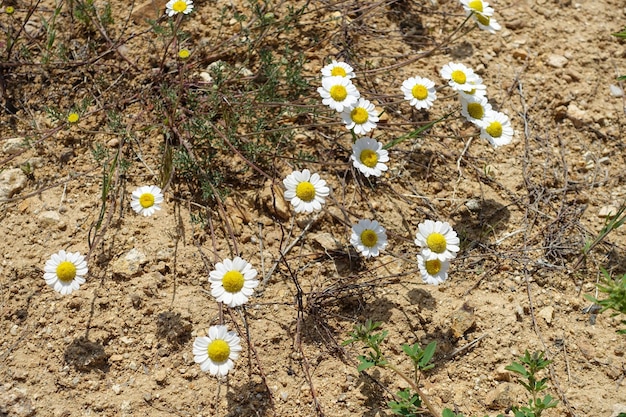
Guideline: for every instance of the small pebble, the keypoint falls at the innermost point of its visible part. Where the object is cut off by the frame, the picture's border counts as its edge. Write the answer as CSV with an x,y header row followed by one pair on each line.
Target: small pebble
x,y
616,90
607,211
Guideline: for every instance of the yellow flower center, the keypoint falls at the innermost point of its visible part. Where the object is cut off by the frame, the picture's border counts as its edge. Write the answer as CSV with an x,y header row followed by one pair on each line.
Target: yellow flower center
x,y
369,238
436,242
305,191
419,92
232,281
66,271
458,77
179,6
476,5
494,129
433,266
183,54
338,92
218,351
369,158
482,19
10,9
475,110
72,117
338,72
359,115
146,200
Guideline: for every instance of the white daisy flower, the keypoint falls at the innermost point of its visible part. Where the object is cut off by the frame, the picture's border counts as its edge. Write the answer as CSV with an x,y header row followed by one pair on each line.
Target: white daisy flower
x,y
338,69
217,351
460,77
433,271
361,118
146,200
497,129
232,282
368,237
65,271
487,23
478,7
419,91
338,93
474,109
368,156
438,240
178,6
306,192
478,89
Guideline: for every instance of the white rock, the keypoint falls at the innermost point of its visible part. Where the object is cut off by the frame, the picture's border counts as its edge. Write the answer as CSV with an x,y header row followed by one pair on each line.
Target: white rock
x,y
578,116
116,389
607,211
49,218
617,409
206,77
130,264
12,181
12,146
547,313
616,90
557,61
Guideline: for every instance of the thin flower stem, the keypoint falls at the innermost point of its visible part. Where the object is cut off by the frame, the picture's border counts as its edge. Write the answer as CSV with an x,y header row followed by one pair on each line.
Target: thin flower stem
x,y
425,399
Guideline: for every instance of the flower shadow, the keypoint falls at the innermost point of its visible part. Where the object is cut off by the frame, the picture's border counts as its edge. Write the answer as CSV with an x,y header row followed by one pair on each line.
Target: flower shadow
x,y
85,355
250,399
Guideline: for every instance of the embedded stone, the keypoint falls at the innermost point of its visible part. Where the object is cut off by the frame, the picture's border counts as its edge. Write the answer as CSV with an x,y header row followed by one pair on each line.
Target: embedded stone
x,y
12,181
129,265
557,61
13,146
49,218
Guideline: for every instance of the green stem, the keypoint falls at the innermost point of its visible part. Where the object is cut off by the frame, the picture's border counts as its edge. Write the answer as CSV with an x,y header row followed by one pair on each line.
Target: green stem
x,y
424,397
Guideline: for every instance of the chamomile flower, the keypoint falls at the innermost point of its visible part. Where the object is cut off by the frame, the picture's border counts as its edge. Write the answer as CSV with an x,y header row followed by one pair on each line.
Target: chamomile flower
x,y
460,77
433,271
65,271
420,92
232,282
146,200
184,54
217,351
338,69
361,118
478,89
178,6
9,10
474,109
497,129
368,237
478,7
73,117
338,93
438,240
487,23
307,192
369,156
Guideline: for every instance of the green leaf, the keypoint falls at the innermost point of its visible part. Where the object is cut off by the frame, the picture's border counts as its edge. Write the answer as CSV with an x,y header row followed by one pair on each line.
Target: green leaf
x,y
518,368
428,354
365,364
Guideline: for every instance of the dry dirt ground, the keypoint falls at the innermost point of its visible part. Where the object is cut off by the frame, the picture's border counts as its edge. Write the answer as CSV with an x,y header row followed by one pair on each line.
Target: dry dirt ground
x,y
121,346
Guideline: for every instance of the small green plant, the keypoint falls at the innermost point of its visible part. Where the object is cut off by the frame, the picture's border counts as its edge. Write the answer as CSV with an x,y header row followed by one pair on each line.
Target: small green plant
x,y
616,290
527,369
613,222
409,400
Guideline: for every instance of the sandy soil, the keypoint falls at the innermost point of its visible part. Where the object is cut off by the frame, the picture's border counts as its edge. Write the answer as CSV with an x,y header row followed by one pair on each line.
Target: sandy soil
x,y
121,346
